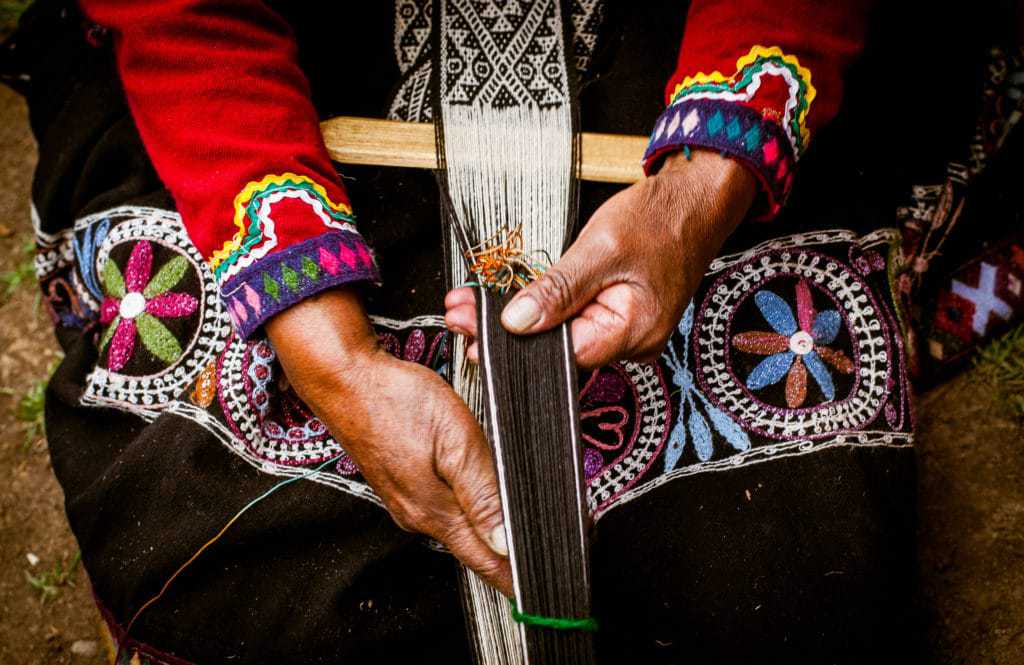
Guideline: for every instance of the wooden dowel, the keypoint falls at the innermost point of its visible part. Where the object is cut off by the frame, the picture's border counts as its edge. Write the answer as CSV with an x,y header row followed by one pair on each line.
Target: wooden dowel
x,y
369,141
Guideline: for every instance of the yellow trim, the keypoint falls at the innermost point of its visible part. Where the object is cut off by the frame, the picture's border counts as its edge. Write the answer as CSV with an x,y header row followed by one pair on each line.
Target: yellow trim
x,y
254,187
758,51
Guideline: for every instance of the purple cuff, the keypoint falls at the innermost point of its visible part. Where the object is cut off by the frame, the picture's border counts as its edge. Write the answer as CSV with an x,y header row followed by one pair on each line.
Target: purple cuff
x,y
281,279
734,130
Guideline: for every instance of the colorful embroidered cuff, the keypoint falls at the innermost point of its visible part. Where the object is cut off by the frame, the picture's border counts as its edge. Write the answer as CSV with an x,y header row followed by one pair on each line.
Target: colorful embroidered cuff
x,y
734,130
283,278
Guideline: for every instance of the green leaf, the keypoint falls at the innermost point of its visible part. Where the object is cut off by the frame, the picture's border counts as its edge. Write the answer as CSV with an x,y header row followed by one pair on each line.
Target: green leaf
x,y
112,279
157,338
168,277
109,333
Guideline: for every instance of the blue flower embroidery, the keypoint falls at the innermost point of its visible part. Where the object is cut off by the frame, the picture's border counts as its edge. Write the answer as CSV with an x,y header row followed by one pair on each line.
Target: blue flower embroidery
x,y
796,347
695,426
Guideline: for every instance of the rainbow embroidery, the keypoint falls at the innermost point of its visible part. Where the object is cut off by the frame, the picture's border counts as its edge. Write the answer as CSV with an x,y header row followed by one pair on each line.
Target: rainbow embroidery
x,y
742,86
255,236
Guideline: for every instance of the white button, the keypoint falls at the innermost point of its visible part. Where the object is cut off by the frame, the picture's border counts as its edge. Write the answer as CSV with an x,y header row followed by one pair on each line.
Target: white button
x,y
800,343
132,305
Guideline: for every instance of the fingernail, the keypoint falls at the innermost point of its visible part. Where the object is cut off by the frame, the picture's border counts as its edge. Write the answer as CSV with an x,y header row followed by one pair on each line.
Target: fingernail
x,y
498,543
521,314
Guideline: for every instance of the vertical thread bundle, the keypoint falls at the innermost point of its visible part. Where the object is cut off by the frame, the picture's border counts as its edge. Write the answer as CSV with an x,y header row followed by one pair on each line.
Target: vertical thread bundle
x,y
532,421
506,143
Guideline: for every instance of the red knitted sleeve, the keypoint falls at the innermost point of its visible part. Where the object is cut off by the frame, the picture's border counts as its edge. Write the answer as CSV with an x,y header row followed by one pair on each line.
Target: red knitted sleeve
x,y
225,115
753,81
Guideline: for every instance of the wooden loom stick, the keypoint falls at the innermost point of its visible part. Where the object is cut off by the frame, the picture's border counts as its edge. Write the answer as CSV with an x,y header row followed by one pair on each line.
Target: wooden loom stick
x,y
374,142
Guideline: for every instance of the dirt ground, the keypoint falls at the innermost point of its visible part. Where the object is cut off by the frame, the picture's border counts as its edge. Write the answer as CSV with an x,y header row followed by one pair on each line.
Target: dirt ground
x,y
971,489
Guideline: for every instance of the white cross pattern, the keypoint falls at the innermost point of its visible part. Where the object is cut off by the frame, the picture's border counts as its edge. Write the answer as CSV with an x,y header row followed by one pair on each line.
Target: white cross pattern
x,y
984,298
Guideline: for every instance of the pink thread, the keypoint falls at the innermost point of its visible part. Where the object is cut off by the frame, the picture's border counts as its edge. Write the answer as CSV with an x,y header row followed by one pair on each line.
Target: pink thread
x,y
804,306
172,305
140,264
347,256
122,345
109,310
239,308
253,299
329,262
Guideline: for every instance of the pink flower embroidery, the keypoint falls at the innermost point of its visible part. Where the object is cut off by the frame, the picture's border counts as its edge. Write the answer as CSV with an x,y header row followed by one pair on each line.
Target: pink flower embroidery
x,y
135,303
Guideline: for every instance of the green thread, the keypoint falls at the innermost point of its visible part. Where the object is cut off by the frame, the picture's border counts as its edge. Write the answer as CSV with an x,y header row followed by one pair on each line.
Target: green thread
x,y
109,333
272,288
157,339
289,277
310,269
748,74
254,231
686,152
113,280
588,624
167,277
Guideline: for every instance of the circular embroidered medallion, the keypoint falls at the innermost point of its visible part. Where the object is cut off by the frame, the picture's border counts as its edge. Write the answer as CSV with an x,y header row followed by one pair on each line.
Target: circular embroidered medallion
x,y
624,422
792,345
266,414
160,314
273,423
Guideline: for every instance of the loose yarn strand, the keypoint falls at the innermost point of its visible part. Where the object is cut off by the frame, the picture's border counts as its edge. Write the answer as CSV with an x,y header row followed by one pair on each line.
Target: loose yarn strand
x,y
213,540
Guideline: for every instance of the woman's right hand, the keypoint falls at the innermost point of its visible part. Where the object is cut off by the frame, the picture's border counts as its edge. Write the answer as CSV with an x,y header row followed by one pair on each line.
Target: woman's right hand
x,y
414,440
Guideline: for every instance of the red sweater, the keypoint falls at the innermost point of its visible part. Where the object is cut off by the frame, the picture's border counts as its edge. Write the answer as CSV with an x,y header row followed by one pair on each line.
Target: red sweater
x,y
224,112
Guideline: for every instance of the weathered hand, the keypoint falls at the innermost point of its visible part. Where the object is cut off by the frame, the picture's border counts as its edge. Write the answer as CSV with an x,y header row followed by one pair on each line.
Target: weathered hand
x,y
634,266
415,441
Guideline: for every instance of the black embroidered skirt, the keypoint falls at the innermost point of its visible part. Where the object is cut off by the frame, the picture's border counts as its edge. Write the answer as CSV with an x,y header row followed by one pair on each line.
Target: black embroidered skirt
x,y
752,491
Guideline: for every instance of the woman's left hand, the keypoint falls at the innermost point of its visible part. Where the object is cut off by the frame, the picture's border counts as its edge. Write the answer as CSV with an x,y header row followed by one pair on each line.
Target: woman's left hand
x,y
634,266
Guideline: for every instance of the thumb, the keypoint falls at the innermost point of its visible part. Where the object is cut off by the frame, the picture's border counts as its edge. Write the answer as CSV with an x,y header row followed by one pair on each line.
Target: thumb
x,y
563,290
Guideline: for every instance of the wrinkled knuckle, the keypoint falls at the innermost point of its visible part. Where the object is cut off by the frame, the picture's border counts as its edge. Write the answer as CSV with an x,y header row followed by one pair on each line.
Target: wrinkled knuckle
x,y
556,288
490,569
484,504
450,454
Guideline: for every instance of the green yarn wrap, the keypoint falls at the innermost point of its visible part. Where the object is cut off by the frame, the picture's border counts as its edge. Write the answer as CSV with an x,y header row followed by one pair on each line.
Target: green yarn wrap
x,y
588,624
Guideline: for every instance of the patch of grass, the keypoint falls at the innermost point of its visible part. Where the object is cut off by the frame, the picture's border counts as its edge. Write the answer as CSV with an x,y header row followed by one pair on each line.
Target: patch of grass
x,y
29,409
1001,366
23,273
49,583
10,12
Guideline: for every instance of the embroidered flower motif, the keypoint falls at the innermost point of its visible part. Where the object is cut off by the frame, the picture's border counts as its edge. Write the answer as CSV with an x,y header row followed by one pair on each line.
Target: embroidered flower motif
x,y
796,347
695,427
134,305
